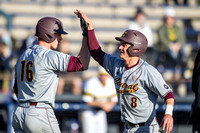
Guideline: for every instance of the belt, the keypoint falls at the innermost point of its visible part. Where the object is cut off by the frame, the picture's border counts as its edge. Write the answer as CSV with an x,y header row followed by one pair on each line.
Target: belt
x,y
33,103
135,125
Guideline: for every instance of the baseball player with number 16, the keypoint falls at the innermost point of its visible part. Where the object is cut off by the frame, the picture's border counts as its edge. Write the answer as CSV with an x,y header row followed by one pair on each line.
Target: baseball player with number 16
x,y
36,78
137,83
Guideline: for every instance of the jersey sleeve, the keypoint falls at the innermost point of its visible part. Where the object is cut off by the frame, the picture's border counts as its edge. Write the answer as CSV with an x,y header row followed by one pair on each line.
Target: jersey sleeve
x,y
156,82
56,61
111,63
74,65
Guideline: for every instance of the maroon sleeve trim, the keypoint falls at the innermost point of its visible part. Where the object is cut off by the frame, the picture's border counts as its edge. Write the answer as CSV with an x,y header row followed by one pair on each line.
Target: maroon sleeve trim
x,y
169,95
74,65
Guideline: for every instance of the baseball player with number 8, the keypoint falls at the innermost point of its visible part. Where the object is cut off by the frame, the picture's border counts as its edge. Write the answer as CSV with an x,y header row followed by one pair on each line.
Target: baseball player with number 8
x,y
137,83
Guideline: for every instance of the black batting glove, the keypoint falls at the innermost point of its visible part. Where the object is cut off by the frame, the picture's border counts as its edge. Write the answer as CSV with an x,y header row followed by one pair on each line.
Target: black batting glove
x,y
84,27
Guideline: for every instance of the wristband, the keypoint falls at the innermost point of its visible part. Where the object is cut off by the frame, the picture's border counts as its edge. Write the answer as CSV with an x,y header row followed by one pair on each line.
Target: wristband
x,y
169,109
84,33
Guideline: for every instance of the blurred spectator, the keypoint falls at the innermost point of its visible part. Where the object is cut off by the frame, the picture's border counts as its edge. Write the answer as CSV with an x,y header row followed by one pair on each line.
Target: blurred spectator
x,y
191,33
100,95
195,110
192,41
6,68
28,42
5,34
70,79
5,58
171,40
178,2
139,23
169,2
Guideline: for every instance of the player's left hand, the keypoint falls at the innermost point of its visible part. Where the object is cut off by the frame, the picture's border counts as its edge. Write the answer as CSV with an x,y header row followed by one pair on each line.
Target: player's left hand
x,y
167,123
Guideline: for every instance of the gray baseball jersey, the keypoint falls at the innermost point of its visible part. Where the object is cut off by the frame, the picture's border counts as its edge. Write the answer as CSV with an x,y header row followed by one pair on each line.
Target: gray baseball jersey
x,y
137,88
37,71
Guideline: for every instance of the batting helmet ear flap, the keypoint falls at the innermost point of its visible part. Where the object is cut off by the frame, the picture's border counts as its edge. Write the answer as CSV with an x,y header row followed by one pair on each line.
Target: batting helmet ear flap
x,y
46,35
135,50
132,51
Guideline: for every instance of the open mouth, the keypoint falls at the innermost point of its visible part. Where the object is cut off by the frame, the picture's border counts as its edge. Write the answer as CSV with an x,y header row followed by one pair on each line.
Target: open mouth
x,y
121,51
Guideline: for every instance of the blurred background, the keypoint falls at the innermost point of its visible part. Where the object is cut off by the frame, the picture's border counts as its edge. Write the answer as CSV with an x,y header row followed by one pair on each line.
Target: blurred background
x,y
111,18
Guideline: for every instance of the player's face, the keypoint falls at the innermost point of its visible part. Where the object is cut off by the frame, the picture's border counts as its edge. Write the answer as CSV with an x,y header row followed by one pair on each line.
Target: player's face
x,y
123,50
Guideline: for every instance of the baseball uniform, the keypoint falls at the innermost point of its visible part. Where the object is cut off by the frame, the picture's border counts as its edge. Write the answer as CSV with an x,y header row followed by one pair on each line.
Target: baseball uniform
x,y
37,74
138,88
95,120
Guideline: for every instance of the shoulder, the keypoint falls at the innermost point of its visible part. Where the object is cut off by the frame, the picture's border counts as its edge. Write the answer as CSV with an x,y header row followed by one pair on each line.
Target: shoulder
x,y
110,58
149,68
162,27
55,55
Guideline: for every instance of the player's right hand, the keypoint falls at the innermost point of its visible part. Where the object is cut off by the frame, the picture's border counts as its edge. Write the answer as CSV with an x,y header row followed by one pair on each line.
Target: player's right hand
x,y
86,19
167,123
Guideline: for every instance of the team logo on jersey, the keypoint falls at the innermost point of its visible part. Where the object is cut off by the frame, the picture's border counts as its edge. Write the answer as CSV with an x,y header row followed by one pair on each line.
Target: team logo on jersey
x,y
124,87
134,77
166,86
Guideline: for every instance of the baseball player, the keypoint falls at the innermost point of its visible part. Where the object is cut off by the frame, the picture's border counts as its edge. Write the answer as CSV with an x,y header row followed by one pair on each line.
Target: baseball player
x,y
36,78
100,94
138,84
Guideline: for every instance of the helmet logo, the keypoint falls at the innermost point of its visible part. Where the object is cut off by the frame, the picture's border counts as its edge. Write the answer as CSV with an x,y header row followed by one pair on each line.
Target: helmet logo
x,y
124,34
59,30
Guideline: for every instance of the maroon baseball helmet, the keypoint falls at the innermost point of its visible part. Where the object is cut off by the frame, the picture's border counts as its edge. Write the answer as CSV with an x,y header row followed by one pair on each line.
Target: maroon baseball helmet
x,y
136,39
47,27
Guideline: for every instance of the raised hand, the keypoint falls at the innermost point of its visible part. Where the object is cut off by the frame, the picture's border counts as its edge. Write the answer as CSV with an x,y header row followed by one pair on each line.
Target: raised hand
x,y
85,18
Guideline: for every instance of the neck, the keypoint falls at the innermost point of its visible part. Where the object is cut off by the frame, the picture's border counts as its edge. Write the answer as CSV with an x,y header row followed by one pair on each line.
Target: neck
x,y
131,61
44,44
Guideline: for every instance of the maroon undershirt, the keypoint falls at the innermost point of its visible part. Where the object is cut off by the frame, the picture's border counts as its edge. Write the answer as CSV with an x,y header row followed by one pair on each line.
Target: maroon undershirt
x,y
74,65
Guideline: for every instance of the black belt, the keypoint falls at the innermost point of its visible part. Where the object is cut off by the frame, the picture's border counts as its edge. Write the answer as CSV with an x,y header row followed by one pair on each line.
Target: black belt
x,y
135,125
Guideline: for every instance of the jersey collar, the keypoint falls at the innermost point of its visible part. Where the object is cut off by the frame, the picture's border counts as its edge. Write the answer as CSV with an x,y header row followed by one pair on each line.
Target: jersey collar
x,y
127,68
